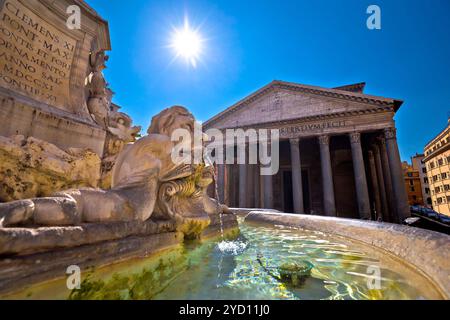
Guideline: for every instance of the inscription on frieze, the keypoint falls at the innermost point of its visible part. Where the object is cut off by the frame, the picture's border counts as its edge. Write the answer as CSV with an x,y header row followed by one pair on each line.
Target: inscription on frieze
x,y
35,57
312,127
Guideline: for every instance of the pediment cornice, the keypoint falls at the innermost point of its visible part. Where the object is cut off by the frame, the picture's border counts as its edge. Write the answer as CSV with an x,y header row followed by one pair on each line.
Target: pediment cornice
x,y
330,116
375,101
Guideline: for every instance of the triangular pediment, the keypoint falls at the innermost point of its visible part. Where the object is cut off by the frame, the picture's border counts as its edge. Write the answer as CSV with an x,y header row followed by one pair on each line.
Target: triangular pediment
x,y
283,101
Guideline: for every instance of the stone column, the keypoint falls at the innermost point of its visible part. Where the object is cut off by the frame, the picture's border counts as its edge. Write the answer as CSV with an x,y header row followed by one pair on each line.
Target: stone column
x,y
297,188
221,182
243,196
234,188
268,192
398,183
375,187
226,196
381,185
250,186
257,182
329,203
267,186
362,193
387,180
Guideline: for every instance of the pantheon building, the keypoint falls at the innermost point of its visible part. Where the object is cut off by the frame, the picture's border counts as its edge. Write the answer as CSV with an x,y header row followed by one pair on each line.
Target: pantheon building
x,y
338,153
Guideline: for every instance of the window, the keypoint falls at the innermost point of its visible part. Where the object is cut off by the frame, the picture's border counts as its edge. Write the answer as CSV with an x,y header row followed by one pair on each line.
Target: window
x,y
432,165
444,175
440,162
412,189
435,178
427,190
411,183
437,189
424,170
425,180
439,200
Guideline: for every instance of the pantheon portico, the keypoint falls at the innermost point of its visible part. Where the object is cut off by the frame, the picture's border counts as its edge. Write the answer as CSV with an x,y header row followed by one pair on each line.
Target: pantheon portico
x,y
338,153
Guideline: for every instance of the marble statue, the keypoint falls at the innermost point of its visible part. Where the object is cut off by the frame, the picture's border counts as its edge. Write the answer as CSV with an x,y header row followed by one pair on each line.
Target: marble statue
x,y
145,183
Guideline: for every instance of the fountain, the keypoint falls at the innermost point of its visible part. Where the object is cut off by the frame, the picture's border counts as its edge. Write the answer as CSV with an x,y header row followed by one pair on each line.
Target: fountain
x,y
272,262
154,204
138,225
156,234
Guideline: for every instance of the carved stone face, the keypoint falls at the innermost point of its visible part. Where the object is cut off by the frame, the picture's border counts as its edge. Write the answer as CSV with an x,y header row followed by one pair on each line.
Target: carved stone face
x,y
171,119
206,177
120,126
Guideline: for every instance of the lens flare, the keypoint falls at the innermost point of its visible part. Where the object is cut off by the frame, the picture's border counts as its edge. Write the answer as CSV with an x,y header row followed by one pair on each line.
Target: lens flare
x,y
187,44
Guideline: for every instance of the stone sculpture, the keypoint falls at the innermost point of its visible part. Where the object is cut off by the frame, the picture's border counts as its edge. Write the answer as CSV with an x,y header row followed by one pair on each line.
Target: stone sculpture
x,y
31,167
98,97
145,183
120,133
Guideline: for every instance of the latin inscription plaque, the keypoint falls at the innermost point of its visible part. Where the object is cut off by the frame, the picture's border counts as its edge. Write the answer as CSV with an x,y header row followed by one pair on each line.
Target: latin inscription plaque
x,y
35,57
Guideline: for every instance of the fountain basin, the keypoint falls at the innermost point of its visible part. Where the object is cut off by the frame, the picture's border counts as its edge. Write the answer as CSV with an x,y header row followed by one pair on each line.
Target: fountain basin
x,y
30,257
426,251
275,256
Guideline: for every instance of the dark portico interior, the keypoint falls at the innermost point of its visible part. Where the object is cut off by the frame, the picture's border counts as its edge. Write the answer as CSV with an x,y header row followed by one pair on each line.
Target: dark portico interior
x,y
312,188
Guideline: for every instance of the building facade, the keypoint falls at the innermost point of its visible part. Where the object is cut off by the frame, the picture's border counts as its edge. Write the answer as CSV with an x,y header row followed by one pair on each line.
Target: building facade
x,y
412,184
419,165
338,153
437,162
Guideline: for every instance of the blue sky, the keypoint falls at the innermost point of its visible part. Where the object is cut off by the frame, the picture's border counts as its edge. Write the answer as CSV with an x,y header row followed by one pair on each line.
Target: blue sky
x,y
250,43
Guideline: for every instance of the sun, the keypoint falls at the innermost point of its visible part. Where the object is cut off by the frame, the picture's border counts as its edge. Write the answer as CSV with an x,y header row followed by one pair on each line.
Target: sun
x,y
187,44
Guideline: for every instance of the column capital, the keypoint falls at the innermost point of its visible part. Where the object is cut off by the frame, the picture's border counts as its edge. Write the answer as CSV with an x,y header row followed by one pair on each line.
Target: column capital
x,y
355,137
324,140
390,133
294,141
381,141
